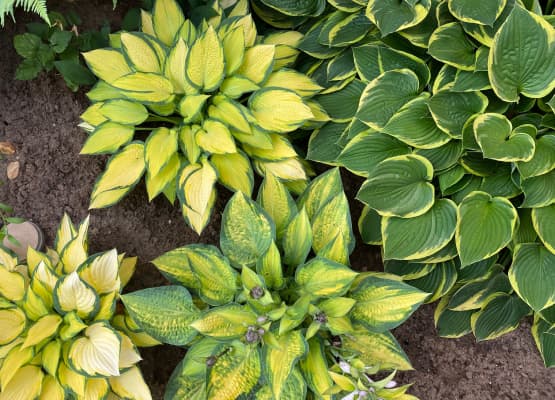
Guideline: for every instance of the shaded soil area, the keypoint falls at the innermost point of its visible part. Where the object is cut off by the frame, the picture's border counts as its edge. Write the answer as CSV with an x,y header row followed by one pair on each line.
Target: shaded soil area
x,y
40,118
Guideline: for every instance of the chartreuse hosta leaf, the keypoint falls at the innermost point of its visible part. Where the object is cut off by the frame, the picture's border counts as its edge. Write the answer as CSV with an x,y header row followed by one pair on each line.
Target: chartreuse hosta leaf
x,y
60,335
523,69
270,310
216,103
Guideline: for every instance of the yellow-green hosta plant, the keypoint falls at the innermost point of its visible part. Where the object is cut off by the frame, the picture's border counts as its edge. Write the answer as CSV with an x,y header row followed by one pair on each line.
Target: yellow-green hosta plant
x,y
451,121
56,337
189,106
270,314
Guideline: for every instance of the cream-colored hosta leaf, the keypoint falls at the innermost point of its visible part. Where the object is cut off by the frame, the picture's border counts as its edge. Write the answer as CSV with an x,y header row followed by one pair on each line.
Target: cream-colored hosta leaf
x,y
75,252
7,259
25,385
66,231
16,358
72,294
295,81
71,380
51,356
44,328
234,50
51,389
257,63
129,355
140,54
34,258
205,62
234,171
290,169
98,352
12,285
131,385
102,272
96,388
12,321
107,64
127,267
45,276
279,110
122,173
167,19
215,137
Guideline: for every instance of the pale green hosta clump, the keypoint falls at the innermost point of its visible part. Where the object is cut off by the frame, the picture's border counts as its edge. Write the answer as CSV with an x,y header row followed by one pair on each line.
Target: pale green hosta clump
x,y
56,339
215,101
269,315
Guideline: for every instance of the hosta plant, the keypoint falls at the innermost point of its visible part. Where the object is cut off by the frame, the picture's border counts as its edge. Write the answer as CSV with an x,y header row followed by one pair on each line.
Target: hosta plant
x,y
189,106
271,314
56,338
451,120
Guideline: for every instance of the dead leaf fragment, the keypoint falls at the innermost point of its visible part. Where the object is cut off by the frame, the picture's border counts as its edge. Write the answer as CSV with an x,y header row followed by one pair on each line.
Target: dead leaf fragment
x,y
13,170
7,148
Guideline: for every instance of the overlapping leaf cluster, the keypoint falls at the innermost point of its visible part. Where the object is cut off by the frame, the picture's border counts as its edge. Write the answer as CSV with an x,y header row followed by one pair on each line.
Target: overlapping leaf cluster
x,y
57,341
264,319
215,101
446,107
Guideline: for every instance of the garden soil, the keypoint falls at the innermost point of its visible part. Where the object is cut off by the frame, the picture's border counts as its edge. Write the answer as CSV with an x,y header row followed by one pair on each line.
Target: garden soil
x,y
40,118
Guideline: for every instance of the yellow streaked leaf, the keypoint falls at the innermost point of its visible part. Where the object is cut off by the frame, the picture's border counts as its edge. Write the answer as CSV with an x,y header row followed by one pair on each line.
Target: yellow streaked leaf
x,y
108,138
129,355
205,62
51,389
234,50
295,81
324,278
215,137
131,385
231,113
145,87
167,19
234,171
16,358
51,356
71,380
97,353
146,23
124,111
315,370
92,115
140,54
12,321
75,252
126,269
257,63
96,388
107,64
188,143
175,67
163,179
282,149
34,306
12,285
72,294
66,231
279,110
235,86
122,173
160,146
190,107
44,328
26,384
290,169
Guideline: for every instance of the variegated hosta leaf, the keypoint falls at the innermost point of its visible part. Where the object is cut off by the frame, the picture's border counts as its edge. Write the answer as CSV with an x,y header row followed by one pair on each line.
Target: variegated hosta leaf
x,y
320,192
247,232
400,186
278,203
72,294
165,313
499,316
377,348
145,87
545,340
528,70
280,361
392,16
12,284
542,219
42,329
532,275
75,252
130,385
234,171
107,64
225,322
25,384
476,11
450,45
13,323
324,278
102,272
331,220
422,236
235,373
500,142
315,369
383,304
108,137
485,225
97,353
297,239
543,160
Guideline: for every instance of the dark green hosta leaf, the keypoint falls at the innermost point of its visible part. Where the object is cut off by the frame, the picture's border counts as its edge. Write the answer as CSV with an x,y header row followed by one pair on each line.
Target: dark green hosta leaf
x,y
532,275
443,157
451,110
392,15
384,304
297,7
366,150
342,105
477,11
422,236
543,160
385,95
501,184
545,341
500,316
539,191
372,60
414,125
399,186
499,141
467,81
323,145
473,295
450,45
485,225
408,270
247,232
438,282
369,226
522,59
343,29
164,313
542,219
452,324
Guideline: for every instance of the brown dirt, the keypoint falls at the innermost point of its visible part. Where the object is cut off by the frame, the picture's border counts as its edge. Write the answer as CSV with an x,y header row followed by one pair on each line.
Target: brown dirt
x,y
40,117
